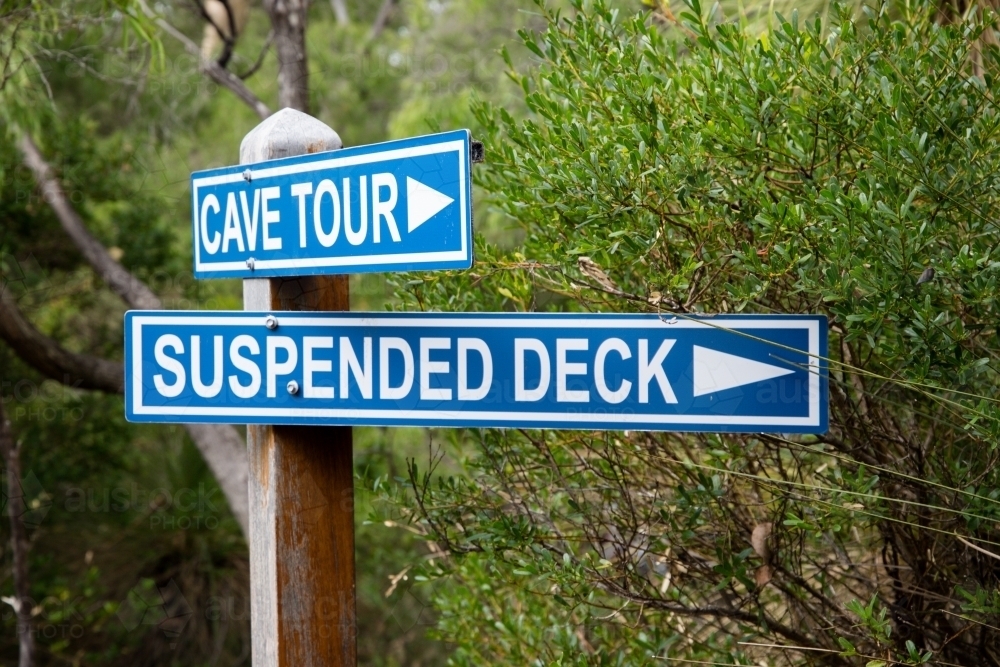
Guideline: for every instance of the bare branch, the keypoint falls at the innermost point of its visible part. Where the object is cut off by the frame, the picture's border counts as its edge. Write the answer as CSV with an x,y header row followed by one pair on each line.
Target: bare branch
x,y
340,11
227,38
230,38
225,453
212,69
221,446
384,14
52,360
132,290
260,59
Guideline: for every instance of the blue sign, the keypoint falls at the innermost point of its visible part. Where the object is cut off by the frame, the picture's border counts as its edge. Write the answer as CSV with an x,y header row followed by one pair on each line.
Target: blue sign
x,y
397,206
612,372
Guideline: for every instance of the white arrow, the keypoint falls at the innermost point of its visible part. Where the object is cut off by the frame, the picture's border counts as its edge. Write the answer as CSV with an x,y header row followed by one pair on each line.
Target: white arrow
x,y
422,203
716,371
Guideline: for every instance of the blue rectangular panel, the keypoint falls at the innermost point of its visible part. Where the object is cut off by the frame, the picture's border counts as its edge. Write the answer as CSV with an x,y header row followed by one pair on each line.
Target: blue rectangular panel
x,y
615,372
398,206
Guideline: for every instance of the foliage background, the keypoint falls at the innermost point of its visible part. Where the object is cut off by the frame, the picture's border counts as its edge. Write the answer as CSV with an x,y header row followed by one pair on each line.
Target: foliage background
x,y
678,163
654,158
124,121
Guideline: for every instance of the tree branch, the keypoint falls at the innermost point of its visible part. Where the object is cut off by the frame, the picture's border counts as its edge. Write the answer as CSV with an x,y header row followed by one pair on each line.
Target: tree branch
x,y
211,68
340,11
260,58
230,39
384,14
133,291
225,453
221,446
53,361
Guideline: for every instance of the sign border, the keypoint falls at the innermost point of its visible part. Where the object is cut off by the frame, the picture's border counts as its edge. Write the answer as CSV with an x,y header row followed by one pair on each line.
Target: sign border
x,y
816,423
432,144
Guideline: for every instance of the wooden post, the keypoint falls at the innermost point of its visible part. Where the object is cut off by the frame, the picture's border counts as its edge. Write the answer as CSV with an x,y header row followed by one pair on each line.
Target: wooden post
x,y
302,590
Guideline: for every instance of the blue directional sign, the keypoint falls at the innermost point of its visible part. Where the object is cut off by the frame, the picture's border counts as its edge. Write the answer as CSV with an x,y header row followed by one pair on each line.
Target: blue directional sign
x,y
616,372
397,206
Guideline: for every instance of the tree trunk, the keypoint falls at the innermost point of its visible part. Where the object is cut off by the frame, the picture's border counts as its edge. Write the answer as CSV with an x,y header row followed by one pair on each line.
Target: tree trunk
x,y
19,541
288,20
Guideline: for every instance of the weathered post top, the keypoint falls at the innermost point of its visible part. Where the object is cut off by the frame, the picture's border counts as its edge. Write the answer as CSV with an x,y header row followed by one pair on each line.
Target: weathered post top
x,y
302,583
285,134
288,133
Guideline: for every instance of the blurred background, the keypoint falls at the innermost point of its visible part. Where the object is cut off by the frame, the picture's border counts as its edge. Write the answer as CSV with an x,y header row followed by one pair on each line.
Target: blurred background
x,y
126,524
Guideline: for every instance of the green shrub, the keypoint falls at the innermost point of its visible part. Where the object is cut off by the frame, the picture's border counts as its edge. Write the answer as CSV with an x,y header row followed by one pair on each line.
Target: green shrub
x,y
849,169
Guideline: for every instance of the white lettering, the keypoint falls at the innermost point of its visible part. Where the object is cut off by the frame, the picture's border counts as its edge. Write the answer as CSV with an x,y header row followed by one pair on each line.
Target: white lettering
x,y
363,376
231,231
270,217
301,190
204,390
522,345
211,246
170,365
355,237
310,366
385,345
428,368
465,393
245,365
325,187
383,209
654,368
564,369
611,345
250,221
274,369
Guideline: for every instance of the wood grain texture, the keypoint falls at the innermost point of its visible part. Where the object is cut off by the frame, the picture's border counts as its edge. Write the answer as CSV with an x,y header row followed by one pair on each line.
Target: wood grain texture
x,y
302,581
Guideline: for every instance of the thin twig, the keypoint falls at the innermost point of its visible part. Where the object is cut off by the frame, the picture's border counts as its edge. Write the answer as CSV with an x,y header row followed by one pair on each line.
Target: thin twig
x,y
210,68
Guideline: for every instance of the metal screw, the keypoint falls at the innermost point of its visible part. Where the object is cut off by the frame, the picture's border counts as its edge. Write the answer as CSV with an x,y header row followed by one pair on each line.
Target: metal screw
x,y
293,387
271,322
246,175
250,263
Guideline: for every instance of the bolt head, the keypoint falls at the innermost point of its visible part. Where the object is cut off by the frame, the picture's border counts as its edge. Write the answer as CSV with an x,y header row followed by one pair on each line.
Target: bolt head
x,y
271,322
246,175
250,263
293,387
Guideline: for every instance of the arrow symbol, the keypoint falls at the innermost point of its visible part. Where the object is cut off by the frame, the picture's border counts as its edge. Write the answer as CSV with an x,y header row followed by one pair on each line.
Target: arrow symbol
x,y
422,203
716,371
